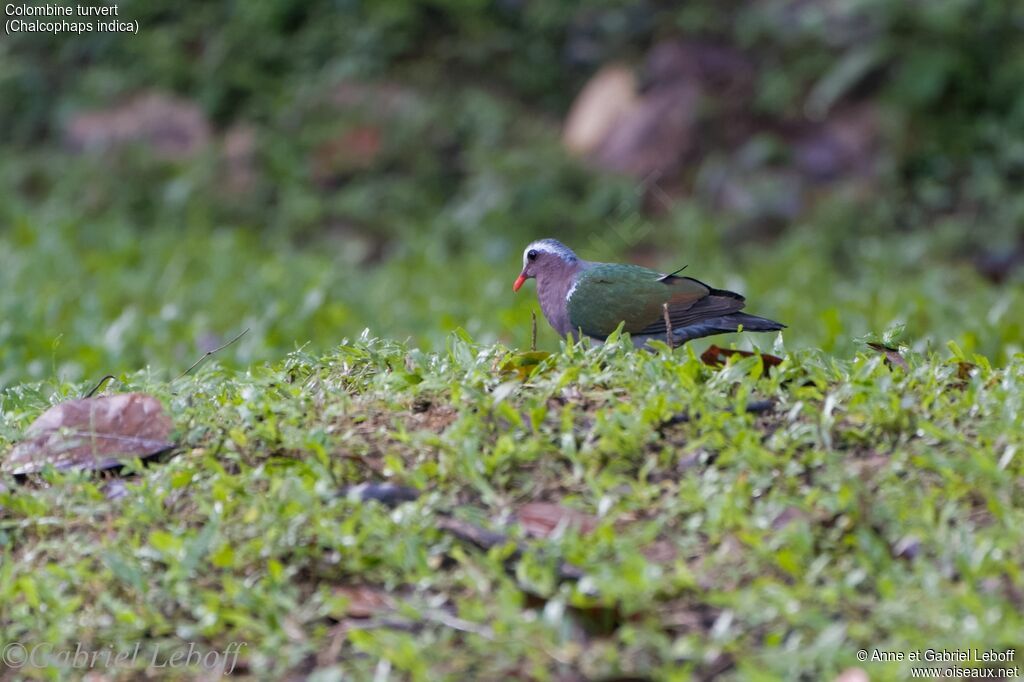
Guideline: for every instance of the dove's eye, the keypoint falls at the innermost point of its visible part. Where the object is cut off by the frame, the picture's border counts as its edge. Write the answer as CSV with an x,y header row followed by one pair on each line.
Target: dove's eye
x,y
531,254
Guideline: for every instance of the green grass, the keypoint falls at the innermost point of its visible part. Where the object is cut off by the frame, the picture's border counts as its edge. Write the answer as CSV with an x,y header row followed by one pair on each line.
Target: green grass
x,y
82,297
872,507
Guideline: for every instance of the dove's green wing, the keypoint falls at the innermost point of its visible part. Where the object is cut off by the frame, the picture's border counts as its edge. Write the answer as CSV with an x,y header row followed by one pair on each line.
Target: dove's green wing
x,y
609,293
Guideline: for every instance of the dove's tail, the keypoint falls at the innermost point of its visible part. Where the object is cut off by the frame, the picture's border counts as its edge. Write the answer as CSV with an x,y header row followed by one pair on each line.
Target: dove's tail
x,y
727,324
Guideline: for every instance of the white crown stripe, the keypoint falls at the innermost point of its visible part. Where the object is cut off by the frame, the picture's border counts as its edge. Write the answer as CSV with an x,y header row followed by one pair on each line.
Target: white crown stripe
x,y
552,246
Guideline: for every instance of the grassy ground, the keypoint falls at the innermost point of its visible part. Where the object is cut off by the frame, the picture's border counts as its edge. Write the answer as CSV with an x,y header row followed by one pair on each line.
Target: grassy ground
x,y
650,525
81,297
688,530
615,515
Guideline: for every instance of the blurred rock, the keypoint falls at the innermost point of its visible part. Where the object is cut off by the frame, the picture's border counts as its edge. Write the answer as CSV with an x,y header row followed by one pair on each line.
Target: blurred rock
x,y
653,132
692,108
172,128
723,72
654,137
845,145
606,98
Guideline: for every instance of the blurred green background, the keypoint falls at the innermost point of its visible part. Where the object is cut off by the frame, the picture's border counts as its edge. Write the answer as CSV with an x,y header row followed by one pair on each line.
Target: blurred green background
x,y
308,170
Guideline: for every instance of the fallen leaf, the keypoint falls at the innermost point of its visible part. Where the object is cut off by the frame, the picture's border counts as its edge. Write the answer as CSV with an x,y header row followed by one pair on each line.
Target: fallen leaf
x,y
364,601
544,519
93,434
892,355
715,356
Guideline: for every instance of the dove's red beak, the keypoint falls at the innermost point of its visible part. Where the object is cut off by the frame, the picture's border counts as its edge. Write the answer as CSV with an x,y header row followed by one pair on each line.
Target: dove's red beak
x,y
519,282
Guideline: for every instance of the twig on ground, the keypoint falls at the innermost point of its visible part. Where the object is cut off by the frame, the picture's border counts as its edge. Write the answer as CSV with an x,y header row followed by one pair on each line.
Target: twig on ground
x,y
446,619
211,352
533,335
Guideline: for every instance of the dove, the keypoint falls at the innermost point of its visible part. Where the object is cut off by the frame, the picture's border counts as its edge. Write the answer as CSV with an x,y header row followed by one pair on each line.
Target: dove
x,y
591,299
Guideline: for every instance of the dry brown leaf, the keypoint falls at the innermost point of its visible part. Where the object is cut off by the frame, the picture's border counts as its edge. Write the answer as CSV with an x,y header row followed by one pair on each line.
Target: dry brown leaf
x,y
716,356
92,434
365,601
543,519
